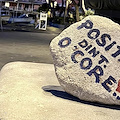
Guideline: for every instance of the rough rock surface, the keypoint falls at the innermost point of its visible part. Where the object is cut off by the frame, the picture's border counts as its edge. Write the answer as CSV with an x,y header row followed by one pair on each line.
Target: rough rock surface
x,y
87,59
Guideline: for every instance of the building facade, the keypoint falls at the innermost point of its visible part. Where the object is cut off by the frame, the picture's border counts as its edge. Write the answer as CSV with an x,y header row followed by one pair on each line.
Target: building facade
x,y
26,5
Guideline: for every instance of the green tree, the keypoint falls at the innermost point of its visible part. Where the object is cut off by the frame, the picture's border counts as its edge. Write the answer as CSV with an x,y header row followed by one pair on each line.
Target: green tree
x,y
45,8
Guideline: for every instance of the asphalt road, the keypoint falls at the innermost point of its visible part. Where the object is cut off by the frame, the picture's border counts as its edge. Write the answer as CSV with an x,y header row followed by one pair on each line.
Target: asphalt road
x,y
25,46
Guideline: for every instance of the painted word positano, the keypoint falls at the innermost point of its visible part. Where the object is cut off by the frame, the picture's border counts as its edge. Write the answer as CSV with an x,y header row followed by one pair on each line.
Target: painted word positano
x,y
86,56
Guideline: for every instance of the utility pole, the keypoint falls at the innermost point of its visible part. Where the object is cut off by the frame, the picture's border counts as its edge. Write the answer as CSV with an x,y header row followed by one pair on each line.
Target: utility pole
x,y
82,6
65,14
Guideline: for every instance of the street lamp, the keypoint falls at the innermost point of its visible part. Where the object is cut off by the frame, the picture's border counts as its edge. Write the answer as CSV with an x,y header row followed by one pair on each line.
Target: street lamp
x,y
32,4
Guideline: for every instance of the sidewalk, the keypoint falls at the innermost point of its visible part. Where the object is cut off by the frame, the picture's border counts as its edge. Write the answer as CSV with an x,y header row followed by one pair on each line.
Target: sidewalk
x,y
54,29
31,91
31,28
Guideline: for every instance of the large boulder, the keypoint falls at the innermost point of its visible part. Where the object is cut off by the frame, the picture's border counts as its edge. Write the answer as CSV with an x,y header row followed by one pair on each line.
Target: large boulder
x,y
87,60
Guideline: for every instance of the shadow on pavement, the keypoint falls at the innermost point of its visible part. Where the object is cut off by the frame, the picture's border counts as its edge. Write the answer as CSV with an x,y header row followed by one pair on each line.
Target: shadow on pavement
x,y
59,92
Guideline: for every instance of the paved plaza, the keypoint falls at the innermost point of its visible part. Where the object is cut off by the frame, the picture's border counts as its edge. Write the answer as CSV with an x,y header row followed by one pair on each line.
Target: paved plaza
x,y
25,46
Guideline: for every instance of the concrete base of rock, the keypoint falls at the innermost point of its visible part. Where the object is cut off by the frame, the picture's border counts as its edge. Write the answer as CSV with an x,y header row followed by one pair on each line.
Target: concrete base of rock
x,y
30,91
